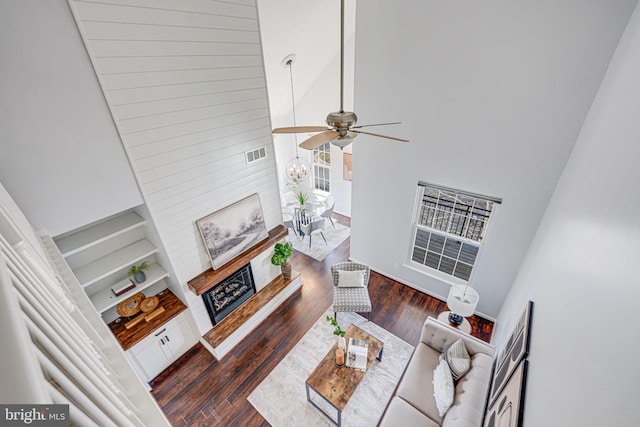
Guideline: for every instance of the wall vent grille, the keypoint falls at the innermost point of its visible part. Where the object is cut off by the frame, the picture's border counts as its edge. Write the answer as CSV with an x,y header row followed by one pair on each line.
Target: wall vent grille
x,y
253,156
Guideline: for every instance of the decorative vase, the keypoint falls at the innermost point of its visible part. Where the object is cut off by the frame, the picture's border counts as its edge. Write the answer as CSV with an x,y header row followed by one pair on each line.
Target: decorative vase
x,y
140,277
342,343
286,270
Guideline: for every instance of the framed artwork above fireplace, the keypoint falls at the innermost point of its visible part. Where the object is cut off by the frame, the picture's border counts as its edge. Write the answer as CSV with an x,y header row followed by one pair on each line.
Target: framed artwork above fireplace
x,y
233,230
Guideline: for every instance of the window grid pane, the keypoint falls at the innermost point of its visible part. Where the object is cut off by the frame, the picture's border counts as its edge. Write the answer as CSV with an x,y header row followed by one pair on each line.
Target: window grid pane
x,y
454,213
444,253
321,163
443,218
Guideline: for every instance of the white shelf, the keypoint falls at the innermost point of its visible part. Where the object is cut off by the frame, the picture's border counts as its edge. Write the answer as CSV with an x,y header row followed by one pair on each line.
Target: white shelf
x,y
103,267
105,299
84,239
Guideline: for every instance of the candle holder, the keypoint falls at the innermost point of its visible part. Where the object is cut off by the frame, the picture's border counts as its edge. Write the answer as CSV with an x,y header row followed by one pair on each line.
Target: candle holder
x,y
339,358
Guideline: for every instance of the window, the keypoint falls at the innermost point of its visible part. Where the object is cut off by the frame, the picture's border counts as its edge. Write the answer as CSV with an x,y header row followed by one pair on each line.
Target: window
x,y
321,165
449,227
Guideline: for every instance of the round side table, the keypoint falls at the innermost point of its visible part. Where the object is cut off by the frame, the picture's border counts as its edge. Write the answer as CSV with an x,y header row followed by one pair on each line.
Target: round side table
x,y
465,326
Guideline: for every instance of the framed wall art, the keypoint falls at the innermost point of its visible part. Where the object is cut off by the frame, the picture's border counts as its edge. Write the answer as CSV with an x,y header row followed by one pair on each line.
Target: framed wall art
x,y
232,230
515,349
508,409
346,166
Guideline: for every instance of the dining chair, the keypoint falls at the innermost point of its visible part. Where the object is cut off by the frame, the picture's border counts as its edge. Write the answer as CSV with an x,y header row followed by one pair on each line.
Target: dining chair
x,y
350,289
314,226
288,222
330,203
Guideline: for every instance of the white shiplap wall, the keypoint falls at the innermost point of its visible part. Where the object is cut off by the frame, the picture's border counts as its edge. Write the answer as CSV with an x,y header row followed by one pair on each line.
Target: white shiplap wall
x,y
186,86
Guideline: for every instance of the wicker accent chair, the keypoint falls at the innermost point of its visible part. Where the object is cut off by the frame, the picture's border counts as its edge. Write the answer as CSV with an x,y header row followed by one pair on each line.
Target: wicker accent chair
x,y
355,300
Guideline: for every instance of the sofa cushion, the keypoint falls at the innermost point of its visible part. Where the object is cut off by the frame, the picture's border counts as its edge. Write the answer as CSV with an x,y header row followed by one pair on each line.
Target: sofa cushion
x,y
416,386
443,389
458,359
471,394
400,413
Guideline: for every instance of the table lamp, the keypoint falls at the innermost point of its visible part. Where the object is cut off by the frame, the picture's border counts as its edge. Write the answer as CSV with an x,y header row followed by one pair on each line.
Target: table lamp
x,y
462,302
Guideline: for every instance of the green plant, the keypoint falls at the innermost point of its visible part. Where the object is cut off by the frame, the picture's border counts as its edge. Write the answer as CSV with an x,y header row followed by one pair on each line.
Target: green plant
x,y
138,268
302,197
281,253
338,330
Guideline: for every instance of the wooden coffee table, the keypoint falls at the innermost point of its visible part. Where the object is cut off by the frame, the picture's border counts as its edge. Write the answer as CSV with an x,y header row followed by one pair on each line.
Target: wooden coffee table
x,y
329,387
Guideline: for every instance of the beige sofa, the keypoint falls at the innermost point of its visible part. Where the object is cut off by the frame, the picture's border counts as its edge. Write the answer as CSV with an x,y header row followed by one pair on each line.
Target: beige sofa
x,y
413,403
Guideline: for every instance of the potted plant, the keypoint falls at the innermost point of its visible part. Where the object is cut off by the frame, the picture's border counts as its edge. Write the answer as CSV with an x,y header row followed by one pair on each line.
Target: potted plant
x,y
302,198
342,343
137,271
281,254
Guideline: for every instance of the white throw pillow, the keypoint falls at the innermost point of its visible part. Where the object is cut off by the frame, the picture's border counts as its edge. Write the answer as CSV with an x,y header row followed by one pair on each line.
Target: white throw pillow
x,y
351,279
443,390
458,359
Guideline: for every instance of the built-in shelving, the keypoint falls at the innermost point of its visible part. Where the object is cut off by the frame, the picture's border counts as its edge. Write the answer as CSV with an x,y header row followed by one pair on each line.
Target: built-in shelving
x,y
115,261
103,253
105,299
100,233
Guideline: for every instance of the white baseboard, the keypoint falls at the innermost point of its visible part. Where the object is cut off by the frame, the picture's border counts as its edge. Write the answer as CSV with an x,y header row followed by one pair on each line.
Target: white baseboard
x,y
424,291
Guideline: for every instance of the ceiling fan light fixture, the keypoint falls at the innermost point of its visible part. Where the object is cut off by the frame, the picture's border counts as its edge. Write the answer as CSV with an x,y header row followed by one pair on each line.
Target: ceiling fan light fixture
x,y
343,141
342,129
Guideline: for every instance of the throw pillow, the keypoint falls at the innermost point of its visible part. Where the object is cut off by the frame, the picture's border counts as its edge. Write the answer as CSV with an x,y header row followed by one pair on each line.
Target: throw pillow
x,y
351,279
458,359
443,389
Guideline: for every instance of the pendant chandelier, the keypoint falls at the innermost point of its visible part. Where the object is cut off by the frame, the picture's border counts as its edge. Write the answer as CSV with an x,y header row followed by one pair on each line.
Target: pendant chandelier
x,y
297,169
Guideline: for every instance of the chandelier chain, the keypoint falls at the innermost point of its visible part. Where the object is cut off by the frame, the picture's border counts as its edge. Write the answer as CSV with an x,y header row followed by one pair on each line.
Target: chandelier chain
x,y
293,102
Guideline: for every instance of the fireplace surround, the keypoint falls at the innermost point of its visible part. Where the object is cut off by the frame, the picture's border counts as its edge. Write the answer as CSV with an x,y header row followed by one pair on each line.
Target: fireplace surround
x,y
229,294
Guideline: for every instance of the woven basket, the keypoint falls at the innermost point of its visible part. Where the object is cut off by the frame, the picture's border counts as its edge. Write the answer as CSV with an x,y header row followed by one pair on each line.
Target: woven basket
x,y
149,304
131,305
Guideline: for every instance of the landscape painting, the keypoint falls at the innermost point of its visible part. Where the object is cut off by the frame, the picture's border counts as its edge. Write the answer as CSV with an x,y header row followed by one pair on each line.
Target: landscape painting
x,y
232,230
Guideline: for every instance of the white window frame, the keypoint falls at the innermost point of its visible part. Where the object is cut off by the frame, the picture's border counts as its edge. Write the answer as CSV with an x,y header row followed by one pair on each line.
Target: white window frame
x,y
452,220
326,167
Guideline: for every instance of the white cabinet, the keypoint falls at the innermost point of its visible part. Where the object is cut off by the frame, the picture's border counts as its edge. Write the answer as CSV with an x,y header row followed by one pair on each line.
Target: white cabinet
x,y
101,254
162,347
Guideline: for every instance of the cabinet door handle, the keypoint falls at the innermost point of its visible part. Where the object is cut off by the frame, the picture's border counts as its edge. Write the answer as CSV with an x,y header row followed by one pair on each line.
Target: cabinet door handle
x,y
161,332
162,341
166,338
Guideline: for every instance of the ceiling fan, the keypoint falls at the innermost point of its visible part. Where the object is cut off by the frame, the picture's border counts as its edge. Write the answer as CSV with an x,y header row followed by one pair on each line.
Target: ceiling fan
x,y
341,126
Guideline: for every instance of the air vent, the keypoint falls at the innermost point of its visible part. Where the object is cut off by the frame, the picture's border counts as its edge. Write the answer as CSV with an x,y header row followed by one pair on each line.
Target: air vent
x,y
255,155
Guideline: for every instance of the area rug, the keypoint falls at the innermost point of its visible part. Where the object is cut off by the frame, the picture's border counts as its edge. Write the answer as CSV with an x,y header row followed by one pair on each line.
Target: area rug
x,y
319,249
281,397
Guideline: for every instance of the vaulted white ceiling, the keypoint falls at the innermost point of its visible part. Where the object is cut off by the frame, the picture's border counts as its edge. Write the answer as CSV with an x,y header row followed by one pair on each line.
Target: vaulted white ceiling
x,y
310,29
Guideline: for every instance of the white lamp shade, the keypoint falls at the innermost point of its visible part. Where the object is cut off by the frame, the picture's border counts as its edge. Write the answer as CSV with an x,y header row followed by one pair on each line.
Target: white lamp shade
x,y
462,300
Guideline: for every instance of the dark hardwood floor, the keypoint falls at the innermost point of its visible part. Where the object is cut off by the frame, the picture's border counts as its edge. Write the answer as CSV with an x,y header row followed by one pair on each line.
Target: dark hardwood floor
x,y
198,390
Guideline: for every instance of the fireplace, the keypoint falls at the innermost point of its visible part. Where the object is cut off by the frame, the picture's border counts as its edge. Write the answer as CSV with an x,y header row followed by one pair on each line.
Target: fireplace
x,y
229,294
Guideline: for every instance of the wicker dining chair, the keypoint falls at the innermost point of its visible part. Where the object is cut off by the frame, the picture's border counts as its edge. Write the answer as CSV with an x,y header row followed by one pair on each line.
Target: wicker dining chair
x,y
350,299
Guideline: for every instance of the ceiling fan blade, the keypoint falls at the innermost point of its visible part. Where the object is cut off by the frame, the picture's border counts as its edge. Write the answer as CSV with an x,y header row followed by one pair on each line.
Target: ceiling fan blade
x,y
300,129
376,124
319,139
381,136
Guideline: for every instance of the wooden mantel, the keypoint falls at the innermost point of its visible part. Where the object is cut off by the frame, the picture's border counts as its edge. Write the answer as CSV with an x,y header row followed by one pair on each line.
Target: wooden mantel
x,y
207,280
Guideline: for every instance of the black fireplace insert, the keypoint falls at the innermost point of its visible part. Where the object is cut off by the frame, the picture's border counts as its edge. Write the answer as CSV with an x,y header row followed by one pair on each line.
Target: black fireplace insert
x,y
229,294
